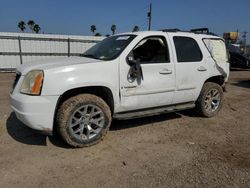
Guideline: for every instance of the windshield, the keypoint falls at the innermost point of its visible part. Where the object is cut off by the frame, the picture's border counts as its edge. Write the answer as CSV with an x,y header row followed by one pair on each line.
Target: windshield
x,y
110,48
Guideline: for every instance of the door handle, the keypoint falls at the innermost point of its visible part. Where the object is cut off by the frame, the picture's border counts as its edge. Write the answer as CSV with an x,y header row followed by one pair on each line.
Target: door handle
x,y
201,68
165,71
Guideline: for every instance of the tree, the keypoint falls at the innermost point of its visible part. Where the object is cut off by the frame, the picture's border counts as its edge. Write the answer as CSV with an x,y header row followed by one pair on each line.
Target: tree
x,y
113,29
22,26
36,28
136,28
31,25
93,29
98,34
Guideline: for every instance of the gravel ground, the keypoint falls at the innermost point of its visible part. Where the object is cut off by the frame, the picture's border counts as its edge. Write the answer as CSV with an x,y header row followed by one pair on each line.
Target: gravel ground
x,y
171,150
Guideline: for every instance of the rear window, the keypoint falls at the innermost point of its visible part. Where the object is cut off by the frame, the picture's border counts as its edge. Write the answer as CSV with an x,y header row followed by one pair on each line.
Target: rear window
x,y
187,49
217,49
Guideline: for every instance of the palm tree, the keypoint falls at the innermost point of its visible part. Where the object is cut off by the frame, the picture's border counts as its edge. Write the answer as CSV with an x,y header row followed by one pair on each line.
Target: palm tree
x,y
36,28
113,29
21,26
93,29
31,25
136,28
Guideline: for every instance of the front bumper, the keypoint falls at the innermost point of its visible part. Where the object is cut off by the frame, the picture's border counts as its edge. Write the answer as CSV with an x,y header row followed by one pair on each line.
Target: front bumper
x,y
37,112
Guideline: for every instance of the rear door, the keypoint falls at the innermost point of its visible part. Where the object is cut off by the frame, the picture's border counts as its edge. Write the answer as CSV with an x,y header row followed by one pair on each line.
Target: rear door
x,y
191,68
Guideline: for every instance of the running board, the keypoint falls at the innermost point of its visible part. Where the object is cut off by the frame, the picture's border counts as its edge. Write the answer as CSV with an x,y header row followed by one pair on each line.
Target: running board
x,y
153,111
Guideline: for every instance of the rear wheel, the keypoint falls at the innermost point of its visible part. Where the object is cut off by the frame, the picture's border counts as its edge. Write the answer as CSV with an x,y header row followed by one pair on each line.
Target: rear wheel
x,y
83,120
210,100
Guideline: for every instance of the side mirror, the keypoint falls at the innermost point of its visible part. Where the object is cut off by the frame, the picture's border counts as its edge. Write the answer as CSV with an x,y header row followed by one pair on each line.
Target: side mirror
x,y
131,60
135,69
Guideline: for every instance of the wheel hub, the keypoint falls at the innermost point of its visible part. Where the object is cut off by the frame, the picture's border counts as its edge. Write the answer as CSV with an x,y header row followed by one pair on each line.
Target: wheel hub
x,y
86,122
212,100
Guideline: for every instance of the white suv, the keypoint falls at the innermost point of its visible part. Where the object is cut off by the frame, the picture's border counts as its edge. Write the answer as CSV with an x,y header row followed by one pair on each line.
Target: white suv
x,y
125,76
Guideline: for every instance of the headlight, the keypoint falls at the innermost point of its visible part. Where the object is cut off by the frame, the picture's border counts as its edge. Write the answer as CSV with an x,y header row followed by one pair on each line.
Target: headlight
x,y
32,83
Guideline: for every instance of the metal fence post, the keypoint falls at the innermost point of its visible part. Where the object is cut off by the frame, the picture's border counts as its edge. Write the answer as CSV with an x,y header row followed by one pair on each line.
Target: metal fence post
x,y
20,50
68,47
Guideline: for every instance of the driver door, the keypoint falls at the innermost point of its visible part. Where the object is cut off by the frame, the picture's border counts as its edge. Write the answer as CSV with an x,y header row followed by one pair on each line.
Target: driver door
x,y
155,86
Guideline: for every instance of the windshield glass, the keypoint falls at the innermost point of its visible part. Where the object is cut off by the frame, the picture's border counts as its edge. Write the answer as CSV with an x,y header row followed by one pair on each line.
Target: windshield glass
x,y
110,48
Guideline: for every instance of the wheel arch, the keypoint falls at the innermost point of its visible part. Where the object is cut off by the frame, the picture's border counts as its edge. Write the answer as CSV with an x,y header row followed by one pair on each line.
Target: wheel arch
x,y
103,92
219,79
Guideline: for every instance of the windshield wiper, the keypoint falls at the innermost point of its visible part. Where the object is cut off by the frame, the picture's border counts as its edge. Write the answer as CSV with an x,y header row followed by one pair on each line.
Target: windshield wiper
x,y
89,56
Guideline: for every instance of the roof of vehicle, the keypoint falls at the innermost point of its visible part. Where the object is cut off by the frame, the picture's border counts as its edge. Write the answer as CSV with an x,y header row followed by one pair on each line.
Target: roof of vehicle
x,y
181,33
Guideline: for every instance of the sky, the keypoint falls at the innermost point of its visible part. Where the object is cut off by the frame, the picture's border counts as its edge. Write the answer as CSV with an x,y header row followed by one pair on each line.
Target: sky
x,y
76,16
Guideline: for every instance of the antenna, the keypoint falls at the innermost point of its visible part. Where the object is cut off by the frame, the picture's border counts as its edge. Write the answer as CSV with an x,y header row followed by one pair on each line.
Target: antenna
x,y
149,16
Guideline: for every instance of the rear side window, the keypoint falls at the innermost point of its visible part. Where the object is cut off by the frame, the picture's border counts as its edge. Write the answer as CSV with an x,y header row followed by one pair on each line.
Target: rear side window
x,y
217,49
187,49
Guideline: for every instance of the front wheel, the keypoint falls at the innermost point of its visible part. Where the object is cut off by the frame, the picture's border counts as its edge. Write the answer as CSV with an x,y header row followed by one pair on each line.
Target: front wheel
x,y
210,100
83,120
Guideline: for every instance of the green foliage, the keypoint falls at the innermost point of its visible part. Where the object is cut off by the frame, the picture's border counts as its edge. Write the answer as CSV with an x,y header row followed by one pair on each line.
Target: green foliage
x,y
113,29
22,25
136,28
98,34
31,24
93,29
36,28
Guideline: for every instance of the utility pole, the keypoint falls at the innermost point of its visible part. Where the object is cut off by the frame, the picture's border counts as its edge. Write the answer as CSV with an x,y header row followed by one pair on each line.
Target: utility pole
x,y
244,37
149,16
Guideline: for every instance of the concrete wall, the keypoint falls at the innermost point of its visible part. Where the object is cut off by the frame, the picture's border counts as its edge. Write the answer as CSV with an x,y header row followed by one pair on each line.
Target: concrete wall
x,y
40,46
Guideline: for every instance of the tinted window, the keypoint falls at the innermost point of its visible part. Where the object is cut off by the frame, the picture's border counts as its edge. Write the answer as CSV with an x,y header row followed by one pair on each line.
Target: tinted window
x,y
152,50
187,49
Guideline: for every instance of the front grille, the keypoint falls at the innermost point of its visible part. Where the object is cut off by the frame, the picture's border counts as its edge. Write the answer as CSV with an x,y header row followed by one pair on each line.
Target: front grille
x,y
18,75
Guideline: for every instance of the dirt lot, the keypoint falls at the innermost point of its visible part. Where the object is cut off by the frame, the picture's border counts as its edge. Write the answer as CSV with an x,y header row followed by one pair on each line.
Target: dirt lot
x,y
173,150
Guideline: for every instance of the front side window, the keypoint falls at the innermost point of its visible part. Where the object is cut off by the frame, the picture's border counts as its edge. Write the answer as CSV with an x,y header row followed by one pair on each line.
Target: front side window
x,y
110,48
151,50
187,49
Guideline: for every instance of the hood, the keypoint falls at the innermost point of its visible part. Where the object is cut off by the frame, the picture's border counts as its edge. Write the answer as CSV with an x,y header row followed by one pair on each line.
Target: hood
x,y
54,63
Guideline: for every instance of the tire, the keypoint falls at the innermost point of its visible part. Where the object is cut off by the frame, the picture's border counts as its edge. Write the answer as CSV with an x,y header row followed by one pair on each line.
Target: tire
x,y
210,100
83,120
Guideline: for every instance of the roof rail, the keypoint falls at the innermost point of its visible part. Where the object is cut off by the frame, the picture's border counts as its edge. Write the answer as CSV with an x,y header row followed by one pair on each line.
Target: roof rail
x,y
196,31
200,30
170,30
